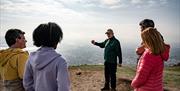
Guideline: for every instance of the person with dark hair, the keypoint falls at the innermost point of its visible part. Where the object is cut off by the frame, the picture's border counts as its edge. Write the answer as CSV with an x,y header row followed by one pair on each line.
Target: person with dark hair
x,y
12,61
144,24
46,70
112,51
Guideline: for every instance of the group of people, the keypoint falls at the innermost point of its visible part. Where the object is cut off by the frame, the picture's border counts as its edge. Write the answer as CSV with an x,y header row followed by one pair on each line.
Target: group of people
x,y
46,70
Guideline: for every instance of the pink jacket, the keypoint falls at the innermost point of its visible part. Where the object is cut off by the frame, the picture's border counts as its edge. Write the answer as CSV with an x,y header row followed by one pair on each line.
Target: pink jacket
x,y
149,74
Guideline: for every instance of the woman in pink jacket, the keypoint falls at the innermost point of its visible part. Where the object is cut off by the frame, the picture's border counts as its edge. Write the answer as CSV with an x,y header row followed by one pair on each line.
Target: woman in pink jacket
x,y
149,74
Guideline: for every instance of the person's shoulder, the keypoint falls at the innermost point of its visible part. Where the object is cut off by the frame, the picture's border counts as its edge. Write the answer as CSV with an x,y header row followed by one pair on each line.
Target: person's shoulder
x,y
106,40
19,51
2,50
14,51
147,59
23,53
60,60
116,41
23,56
26,53
8,50
150,57
146,55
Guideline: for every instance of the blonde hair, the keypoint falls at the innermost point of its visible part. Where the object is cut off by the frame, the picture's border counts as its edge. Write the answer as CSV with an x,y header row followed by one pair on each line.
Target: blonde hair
x,y
153,40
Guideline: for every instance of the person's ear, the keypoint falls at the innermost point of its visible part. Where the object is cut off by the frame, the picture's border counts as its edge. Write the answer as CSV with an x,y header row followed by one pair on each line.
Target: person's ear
x,y
17,39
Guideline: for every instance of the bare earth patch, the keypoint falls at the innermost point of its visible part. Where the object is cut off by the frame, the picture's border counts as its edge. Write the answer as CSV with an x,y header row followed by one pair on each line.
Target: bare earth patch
x,y
86,80
91,78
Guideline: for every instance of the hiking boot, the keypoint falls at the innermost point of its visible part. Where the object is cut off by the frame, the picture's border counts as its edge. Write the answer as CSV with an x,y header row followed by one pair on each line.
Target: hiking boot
x,y
105,89
113,89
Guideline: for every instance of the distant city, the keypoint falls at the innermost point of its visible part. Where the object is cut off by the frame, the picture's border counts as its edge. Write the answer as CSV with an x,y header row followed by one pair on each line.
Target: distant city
x,y
80,54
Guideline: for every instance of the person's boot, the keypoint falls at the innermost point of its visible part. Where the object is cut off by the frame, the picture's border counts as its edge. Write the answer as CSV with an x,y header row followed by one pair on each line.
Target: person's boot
x,y
106,87
113,89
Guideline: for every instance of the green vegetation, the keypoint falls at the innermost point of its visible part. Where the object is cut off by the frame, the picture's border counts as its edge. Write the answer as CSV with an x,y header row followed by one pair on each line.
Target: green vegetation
x,y
88,67
172,78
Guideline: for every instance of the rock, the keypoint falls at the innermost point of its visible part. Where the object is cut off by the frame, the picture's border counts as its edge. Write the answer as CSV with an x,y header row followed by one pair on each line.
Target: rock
x,y
78,73
178,64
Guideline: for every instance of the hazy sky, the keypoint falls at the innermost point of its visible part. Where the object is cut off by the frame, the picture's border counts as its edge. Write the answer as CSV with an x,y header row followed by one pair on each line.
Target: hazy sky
x,y
83,20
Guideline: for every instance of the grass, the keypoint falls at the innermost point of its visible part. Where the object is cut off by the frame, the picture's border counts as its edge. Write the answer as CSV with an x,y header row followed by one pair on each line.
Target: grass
x,y
172,78
88,67
171,74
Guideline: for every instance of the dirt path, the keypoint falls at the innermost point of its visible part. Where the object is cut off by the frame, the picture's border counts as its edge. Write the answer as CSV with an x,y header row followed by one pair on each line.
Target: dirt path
x,y
85,80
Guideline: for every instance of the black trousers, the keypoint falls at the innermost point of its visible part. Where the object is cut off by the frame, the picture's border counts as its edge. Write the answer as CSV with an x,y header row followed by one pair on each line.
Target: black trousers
x,y
110,74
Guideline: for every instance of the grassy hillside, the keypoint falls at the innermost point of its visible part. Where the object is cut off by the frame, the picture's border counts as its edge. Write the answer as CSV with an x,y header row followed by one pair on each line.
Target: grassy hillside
x,y
91,78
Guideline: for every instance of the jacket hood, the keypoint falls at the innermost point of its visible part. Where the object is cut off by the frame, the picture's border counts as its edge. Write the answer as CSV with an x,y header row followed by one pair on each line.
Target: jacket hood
x,y
6,54
165,54
42,57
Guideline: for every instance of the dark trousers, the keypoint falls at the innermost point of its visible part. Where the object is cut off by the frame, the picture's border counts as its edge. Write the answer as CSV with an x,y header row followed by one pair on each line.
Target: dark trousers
x,y
110,74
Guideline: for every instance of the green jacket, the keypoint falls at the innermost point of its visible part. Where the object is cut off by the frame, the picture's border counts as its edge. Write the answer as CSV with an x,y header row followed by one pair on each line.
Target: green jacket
x,y
112,50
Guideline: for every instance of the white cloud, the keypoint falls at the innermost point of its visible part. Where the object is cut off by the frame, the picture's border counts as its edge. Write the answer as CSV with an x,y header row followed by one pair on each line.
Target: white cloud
x,y
105,4
79,15
113,4
30,7
148,3
163,2
42,10
110,2
152,2
136,1
118,6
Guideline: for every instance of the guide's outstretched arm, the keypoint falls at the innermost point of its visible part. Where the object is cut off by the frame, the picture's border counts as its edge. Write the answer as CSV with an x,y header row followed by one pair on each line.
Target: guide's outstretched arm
x,y
101,45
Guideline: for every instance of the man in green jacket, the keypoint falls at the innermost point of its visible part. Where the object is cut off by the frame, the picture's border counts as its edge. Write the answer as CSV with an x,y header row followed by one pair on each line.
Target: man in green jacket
x,y
112,51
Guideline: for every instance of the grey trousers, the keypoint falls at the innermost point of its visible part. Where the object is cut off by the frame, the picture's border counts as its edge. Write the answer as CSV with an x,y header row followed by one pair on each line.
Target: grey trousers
x,y
11,85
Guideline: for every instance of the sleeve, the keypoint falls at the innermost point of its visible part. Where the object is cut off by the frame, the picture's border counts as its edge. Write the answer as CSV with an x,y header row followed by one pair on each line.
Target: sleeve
x,y
165,54
28,81
142,73
119,52
140,50
102,44
63,77
21,64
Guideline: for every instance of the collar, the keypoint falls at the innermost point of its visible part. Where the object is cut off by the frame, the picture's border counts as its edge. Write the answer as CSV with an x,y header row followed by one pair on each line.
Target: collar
x,y
112,38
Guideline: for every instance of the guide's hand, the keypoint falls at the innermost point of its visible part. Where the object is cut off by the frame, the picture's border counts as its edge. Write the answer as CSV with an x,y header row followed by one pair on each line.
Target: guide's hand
x,y
93,41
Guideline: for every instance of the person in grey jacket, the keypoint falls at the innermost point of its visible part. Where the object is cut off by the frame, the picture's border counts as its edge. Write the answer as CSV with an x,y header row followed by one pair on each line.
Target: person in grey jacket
x,y
46,70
